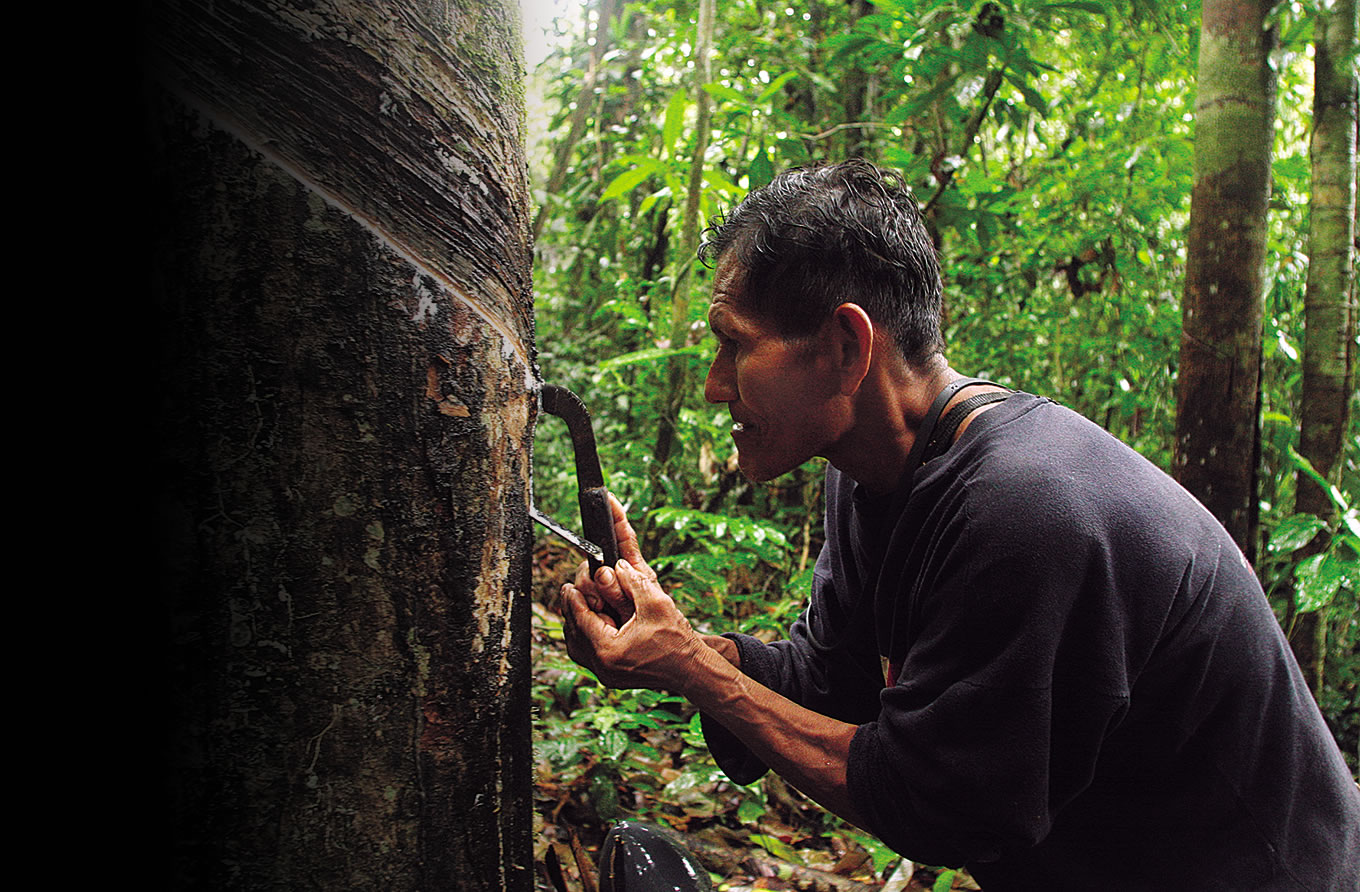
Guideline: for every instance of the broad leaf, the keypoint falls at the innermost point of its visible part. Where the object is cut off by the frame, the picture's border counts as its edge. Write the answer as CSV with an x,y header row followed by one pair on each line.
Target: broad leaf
x,y
629,180
761,170
1319,578
776,85
718,91
1294,532
674,121
651,354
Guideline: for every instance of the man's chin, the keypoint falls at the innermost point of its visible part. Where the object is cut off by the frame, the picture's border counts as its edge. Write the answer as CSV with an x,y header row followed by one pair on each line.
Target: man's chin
x,y
759,473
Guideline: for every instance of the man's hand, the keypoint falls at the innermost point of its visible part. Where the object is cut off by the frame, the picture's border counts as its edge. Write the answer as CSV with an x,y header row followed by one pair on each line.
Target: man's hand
x,y
652,644
602,593
650,650
655,647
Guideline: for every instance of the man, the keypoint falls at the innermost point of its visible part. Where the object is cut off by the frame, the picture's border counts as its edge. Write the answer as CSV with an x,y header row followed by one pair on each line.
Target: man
x,y
1085,687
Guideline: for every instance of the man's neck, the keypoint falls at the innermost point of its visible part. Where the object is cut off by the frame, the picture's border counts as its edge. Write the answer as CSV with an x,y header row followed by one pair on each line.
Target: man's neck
x,y
890,408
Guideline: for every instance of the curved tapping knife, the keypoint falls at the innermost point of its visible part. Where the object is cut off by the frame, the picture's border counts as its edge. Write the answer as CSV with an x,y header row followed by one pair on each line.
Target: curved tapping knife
x,y
597,521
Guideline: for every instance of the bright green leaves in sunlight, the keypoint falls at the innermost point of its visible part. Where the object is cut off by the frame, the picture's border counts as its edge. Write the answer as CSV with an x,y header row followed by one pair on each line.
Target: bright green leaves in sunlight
x,y
673,121
1320,577
643,167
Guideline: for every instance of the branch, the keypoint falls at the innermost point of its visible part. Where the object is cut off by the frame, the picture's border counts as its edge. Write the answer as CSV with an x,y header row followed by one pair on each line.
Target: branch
x,y
839,127
989,88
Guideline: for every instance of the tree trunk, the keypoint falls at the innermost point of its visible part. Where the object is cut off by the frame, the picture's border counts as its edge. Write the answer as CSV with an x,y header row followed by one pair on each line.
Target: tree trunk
x,y
677,368
856,141
607,11
342,286
1217,393
1329,311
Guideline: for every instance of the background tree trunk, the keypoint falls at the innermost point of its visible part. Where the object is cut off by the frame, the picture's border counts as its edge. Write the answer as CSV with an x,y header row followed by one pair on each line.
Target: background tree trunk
x,y
342,286
606,12
677,369
1218,388
1329,311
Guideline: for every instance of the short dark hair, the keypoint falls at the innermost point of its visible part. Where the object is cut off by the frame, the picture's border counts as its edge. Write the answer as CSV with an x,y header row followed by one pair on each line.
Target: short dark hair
x,y
816,237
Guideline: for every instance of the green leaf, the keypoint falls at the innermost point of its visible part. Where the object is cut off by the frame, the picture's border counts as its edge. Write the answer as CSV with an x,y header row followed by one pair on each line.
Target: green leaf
x,y
674,121
750,811
719,182
1319,577
719,91
694,731
881,854
774,846
605,718
908,110
650,201
629,180
1294,532
1293,167
776,85
1351,519
1033,98
844,46
944,882
651,354
613,744
1303,464
1347,567
761,170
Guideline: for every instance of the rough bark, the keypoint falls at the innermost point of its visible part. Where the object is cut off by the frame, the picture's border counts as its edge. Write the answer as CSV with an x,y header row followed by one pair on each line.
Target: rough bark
x,y
342,288
1217,392
1329,305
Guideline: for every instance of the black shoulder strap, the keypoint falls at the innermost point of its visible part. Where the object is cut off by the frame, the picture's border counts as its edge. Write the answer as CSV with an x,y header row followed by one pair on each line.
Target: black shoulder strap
x,y
944,431
926,432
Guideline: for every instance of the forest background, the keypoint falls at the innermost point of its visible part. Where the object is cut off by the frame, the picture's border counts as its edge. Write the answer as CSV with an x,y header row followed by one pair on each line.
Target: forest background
x,y
1051,145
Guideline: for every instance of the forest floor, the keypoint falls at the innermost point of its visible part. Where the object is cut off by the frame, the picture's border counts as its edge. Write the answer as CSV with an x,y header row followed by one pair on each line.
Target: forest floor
x,y
604,756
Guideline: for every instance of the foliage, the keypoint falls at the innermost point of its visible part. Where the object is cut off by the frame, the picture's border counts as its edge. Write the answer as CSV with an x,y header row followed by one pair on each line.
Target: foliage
x,y
1051,143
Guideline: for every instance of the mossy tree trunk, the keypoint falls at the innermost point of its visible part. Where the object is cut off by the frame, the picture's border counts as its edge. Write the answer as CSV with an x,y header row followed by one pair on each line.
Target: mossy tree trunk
x,y
342,289
1218,388
1329,310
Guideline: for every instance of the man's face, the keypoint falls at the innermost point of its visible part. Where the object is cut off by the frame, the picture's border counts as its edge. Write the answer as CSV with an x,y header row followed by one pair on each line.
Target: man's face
x,y
776,389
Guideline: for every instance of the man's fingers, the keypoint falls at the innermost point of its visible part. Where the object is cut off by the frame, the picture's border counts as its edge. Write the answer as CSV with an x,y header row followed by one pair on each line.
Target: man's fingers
x,y
623,532
580,618
607,584
582,579
627,538
640,588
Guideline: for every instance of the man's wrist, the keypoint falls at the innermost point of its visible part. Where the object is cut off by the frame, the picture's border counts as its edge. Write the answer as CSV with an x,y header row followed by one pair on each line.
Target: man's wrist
x,y
726,648
710,679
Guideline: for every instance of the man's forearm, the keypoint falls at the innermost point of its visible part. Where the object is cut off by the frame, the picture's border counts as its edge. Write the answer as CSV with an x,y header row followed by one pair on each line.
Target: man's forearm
x,y
807,749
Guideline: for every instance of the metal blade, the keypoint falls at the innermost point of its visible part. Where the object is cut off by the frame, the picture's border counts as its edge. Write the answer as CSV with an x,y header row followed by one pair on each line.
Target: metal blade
x,y
589,549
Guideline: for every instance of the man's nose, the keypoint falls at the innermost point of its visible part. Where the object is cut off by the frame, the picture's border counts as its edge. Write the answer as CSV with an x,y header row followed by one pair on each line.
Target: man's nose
x,y
720,386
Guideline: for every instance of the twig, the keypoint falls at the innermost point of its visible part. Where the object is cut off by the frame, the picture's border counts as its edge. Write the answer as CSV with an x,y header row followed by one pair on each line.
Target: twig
x,y
583,865
839,127
720,859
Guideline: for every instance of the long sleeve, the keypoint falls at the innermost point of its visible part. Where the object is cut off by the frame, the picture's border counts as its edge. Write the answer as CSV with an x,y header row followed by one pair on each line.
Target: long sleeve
x,y
829,661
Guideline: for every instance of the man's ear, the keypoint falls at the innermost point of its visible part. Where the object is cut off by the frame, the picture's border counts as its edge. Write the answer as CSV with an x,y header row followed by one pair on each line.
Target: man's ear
x,y
853,337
